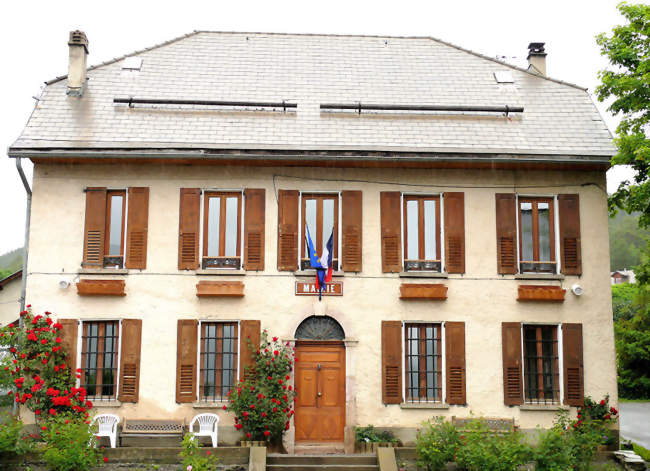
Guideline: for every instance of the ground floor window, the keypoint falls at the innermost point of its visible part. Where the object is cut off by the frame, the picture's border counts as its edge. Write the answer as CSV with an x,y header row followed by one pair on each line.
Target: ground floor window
x,y
99,358
423,362
218,370
541,369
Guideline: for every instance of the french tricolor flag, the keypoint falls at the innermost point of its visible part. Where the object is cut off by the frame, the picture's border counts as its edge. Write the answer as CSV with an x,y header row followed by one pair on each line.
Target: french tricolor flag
x,y
323,264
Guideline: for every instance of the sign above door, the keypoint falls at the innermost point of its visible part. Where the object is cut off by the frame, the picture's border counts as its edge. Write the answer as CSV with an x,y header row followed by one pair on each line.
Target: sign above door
x,y
334,288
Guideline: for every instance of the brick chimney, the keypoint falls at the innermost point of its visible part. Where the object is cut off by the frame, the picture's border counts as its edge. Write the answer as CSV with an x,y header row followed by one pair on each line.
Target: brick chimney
x,y
537,58
78,45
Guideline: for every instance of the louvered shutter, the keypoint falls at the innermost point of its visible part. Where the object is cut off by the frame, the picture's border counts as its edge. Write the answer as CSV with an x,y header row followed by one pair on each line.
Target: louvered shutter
x,y
455,360
249,339
254,212
186,352
391,232
572,363
288,230
391,361
69,334
454,232
137,224
188,230
130,360
352,230
506,221
570,252
94,228
512,377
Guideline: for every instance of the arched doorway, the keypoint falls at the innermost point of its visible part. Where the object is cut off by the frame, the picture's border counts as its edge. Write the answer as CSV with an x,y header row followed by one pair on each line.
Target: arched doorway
x,y
320,381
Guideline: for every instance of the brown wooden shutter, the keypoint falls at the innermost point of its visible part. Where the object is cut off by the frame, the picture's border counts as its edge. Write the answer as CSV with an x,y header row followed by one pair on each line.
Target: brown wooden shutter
x,y
455,359
352,230
570,252
391,231
186,352
512,380
287,230
391,361
572,363
249,339
188,229
454,232
506,219
94,228
137,224
69,334
130,360
254,212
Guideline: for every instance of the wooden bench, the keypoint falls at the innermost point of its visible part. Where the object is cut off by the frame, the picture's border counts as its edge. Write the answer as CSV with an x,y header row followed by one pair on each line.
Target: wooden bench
x,y
146,428
494,424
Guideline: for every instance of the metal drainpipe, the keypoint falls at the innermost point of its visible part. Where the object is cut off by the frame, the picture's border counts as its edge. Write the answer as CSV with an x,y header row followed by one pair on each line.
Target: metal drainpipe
x,y
28,190
23,288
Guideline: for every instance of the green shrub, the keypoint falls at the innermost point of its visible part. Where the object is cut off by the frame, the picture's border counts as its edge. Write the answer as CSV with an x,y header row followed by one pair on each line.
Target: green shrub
x,y
11,437
69,445
437,443
193,458
372,435
569,444
484,449
642,452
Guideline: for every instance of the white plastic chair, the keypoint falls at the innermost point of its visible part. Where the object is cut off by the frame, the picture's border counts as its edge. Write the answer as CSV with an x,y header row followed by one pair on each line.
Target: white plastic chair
x,y
107,427
208,427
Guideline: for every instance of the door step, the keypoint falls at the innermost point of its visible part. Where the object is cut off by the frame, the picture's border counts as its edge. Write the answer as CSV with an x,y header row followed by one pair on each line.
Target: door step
x,y
321,462
319,449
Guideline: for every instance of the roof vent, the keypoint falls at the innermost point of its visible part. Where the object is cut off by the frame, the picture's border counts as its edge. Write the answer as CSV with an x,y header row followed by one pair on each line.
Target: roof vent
x,y
132,63
504,76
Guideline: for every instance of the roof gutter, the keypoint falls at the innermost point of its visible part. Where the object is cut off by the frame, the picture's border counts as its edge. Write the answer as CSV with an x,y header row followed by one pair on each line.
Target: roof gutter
x,y
306,156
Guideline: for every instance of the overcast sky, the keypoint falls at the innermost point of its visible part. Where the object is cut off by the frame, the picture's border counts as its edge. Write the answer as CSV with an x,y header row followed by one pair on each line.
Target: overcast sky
x,y
34,36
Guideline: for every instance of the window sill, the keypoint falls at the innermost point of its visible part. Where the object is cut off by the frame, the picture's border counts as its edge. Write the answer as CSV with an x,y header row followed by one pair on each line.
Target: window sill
x,y
538,276
423,274
423,405
106,403
209,405
541,407
103,271
310,273
220,272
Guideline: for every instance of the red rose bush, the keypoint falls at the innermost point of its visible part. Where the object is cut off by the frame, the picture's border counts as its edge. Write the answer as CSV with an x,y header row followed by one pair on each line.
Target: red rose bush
x,y
263,401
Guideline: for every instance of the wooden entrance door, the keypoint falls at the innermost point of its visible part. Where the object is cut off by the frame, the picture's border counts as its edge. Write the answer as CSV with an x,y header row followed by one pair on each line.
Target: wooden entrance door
x,y
320,400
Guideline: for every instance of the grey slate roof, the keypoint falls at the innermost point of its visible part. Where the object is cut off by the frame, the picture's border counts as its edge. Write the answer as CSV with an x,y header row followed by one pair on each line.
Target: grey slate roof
x,y
559,119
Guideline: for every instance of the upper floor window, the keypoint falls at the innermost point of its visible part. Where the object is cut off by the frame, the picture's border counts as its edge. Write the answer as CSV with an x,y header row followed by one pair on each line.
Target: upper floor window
x,y
319,213
114,236
115,232
536,235
421,219
222,229
99,358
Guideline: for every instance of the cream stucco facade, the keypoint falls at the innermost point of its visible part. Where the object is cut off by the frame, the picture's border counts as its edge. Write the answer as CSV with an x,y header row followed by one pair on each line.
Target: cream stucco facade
x,y
10,300
160,295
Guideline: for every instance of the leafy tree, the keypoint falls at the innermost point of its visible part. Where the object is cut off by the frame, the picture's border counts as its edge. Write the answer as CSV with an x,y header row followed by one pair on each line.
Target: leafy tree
x,y
628,50
626,240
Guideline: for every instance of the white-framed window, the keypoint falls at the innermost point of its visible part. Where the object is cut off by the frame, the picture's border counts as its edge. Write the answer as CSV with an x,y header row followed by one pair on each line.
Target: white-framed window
x,y
422,232
222,216
321,213
218,359
99,358
541,360
537,234
424,362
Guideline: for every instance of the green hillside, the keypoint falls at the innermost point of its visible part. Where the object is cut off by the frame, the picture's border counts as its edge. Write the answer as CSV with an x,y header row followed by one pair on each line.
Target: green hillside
x,y
11,262
626,241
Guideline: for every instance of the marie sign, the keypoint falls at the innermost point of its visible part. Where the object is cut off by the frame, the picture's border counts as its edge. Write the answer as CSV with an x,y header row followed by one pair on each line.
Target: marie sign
x,y
333,288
